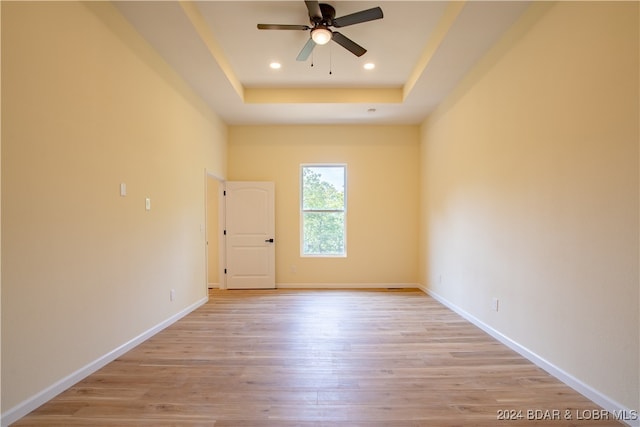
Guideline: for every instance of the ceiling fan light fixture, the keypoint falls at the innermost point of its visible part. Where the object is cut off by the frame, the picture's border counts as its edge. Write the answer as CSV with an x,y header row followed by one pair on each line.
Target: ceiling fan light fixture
x,y
321,35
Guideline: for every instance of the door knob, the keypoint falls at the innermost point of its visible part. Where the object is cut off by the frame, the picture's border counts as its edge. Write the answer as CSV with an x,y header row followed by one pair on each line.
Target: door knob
x,y
269,241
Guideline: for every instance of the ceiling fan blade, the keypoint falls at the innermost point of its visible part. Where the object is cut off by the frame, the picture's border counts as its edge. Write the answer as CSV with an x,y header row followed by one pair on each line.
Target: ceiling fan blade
x,y
282,27
348,44
358,17
314,10
306,50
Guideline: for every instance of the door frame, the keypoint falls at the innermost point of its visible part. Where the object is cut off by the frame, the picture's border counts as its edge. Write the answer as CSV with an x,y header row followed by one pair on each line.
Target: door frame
x,y
220,226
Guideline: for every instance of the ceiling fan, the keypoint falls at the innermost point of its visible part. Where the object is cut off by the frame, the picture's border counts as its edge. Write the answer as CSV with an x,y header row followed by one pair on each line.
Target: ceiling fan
x,y
322,16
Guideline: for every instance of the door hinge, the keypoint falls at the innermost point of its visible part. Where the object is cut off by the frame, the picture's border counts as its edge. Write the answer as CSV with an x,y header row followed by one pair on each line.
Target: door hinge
x,y
225,271
224,232
224,192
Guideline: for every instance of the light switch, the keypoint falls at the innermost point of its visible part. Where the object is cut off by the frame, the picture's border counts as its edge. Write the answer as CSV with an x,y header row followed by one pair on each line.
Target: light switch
x,y
123,189
147,204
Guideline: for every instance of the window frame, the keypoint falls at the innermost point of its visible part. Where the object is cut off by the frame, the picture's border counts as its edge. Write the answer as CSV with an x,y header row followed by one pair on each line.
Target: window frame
x,y
303,210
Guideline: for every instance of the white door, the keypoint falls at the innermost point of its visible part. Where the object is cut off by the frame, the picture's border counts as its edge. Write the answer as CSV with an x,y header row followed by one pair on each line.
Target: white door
x,y
250,228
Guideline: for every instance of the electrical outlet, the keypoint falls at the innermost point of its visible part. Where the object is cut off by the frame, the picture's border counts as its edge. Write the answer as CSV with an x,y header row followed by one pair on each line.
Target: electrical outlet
x,y
172,295
495,304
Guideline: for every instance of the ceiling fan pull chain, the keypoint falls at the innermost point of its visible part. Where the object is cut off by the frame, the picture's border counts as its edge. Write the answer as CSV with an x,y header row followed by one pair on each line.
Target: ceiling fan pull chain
x,y
330,64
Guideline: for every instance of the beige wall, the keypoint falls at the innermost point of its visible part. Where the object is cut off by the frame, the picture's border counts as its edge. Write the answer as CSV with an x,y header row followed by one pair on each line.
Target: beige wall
x,y
0,229
87,105
530,192
382,194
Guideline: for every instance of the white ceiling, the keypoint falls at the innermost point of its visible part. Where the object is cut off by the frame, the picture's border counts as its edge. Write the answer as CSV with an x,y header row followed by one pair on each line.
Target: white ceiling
x,y
421,49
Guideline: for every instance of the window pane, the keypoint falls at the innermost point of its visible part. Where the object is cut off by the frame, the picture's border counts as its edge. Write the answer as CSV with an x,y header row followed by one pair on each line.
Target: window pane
x,y
323,233
323,188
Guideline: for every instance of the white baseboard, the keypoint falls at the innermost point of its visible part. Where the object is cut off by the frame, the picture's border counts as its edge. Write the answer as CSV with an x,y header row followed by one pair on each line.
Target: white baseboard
x,y
213,285
586,390
14,414
346,285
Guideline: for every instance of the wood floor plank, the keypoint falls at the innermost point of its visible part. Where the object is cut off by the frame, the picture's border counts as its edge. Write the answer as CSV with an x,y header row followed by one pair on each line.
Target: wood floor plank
x,y
319,358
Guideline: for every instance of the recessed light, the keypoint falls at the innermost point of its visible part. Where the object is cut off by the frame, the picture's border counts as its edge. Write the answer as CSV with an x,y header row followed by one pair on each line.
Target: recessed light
x,y
369,66
275,65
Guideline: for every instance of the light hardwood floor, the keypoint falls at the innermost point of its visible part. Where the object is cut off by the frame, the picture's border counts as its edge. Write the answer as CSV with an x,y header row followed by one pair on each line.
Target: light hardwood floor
x,y
288,358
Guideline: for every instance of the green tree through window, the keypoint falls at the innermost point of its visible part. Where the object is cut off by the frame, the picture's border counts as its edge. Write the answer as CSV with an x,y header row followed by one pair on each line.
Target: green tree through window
x,y
323,210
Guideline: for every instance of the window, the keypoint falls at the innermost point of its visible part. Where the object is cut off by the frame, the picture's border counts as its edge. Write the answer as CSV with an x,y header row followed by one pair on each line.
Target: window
x,y
323,210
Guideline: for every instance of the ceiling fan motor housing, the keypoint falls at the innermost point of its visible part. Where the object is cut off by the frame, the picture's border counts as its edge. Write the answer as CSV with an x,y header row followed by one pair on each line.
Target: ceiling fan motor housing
x,y
328,14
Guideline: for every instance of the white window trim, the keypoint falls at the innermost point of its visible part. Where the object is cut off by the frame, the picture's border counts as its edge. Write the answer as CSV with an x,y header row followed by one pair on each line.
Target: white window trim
x,y
302,210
